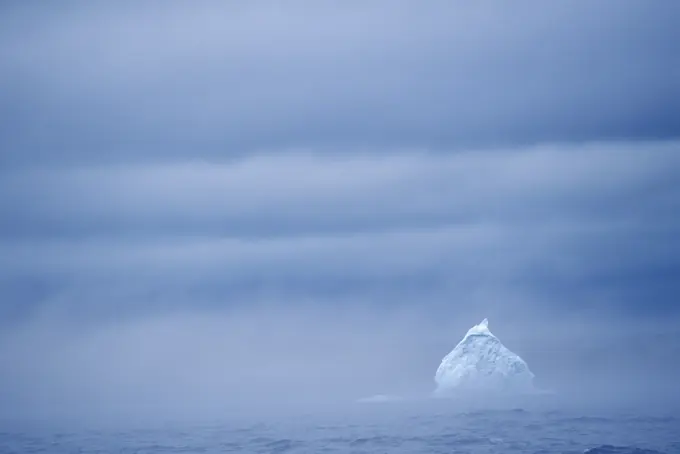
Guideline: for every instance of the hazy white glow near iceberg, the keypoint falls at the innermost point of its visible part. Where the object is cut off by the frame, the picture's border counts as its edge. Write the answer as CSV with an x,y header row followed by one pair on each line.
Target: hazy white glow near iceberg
x,y
481,362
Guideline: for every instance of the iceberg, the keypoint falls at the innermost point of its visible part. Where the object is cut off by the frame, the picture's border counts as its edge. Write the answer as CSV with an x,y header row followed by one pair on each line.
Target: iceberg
x,y
480,362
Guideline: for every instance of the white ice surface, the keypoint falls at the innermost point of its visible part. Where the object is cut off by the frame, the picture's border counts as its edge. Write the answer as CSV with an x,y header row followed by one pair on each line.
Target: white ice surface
x,y
480,362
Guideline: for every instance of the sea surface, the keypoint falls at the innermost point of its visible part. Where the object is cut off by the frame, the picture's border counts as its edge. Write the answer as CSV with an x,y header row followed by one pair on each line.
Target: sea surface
x,y
366,428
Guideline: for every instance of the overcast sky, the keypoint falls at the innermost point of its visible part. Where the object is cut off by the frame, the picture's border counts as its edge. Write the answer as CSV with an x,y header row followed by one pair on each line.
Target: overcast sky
x,y
264,197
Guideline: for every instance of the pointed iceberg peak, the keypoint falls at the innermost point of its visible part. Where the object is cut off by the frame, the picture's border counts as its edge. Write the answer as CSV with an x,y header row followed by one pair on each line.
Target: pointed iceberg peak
x,y
481,329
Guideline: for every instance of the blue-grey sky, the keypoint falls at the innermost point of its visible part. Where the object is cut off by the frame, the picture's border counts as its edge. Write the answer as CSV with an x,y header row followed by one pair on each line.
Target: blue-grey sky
x,y
289,196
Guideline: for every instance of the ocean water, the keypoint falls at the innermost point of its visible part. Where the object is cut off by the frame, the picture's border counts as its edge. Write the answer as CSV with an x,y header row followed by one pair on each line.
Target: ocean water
x,y
367,428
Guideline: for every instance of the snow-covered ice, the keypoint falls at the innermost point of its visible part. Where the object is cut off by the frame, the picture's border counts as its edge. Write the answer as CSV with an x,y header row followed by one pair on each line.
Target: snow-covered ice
x,y
480,362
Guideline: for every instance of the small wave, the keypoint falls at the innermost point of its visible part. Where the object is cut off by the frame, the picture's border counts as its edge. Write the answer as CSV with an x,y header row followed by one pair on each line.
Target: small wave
x,y
281,445
377,440
609,449
653,419
586,420
276,445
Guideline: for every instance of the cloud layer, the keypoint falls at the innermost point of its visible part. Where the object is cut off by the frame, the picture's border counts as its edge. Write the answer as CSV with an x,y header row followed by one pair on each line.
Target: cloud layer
x,y
146,81
232,203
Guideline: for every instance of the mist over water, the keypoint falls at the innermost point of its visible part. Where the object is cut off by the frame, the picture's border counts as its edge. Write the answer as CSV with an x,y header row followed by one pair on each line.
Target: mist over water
x,y
269,360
